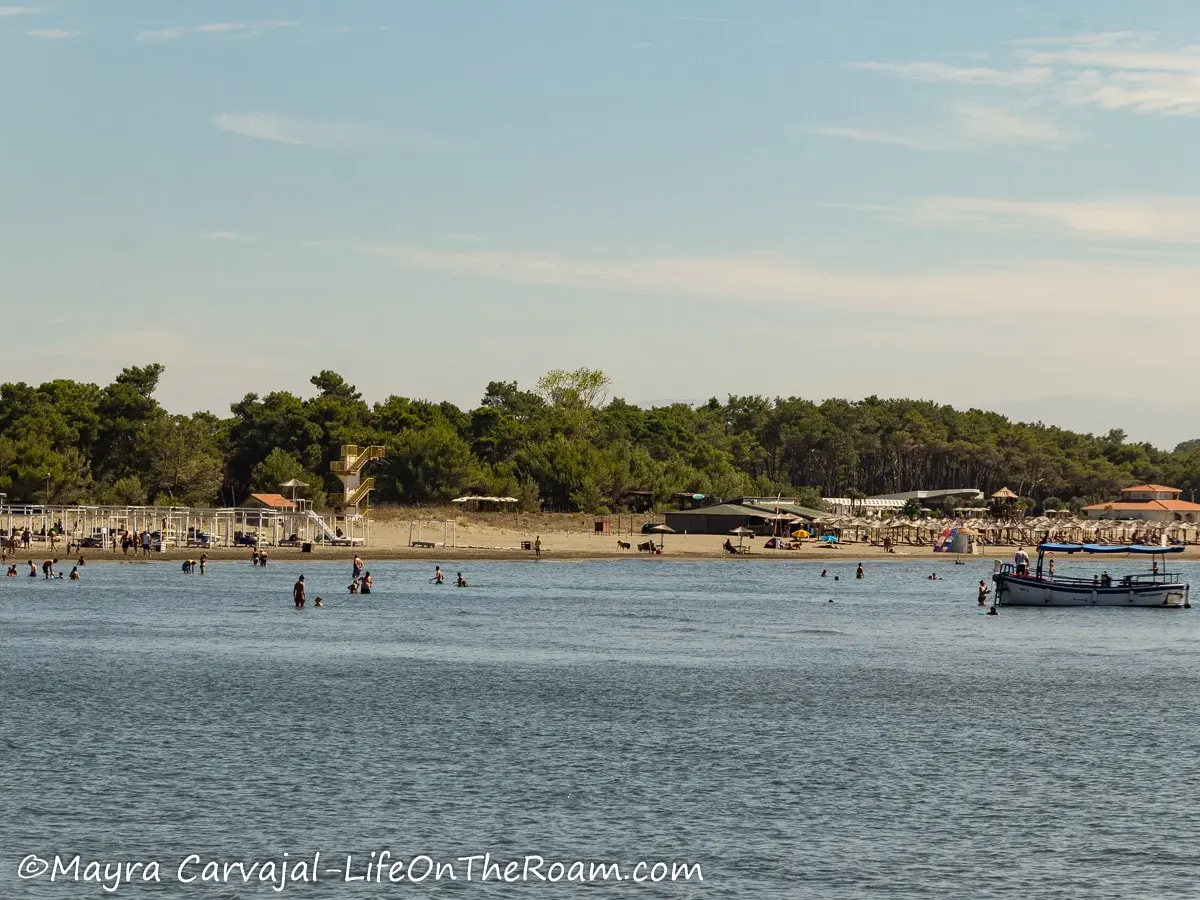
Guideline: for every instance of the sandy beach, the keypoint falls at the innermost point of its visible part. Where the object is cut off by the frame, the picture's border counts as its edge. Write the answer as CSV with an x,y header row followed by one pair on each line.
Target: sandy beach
x,y
485,536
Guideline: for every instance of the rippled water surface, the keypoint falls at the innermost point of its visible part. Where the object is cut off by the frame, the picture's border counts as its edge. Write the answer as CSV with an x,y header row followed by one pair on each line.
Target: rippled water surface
x,y
892,743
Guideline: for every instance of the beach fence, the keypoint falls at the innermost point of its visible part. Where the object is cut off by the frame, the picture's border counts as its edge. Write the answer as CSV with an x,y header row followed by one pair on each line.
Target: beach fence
x,y
105,527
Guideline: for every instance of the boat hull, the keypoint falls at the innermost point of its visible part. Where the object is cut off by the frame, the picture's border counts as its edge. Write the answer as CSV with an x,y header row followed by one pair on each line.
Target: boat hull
x,y
1029,591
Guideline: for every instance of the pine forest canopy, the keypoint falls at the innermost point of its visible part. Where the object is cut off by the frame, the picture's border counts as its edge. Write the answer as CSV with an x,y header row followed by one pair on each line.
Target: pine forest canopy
x,y
561,446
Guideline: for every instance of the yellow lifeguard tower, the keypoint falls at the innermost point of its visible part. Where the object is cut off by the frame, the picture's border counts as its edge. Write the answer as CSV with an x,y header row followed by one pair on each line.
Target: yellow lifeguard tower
x,y
349,470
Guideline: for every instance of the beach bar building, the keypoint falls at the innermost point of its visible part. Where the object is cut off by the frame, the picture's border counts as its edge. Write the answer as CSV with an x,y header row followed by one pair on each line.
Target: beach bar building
x,y
722,518
1147,502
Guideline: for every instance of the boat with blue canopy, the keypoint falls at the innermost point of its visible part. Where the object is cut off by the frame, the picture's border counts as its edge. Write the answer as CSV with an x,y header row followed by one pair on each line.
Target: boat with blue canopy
x,y
1016,585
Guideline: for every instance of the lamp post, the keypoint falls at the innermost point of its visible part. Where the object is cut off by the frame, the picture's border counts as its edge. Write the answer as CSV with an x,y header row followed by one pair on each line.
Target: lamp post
x,y
47,490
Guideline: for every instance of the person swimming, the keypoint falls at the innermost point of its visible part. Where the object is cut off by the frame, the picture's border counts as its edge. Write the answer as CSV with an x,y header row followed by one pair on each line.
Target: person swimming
x,y
993,612
353,586
317,602
462,582
824,573
75,573
932,577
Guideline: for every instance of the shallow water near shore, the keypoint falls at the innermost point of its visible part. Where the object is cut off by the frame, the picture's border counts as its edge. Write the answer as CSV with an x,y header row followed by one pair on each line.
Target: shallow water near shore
x,y
895,742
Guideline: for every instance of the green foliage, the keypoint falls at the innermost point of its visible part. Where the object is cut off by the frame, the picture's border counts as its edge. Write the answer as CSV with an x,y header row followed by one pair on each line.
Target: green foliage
x,y
281,466
911,508
562,445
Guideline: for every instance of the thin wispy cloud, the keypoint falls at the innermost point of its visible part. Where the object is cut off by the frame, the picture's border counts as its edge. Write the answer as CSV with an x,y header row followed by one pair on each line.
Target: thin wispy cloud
x,y
949,74
969,127
53,34
283,129
227,29
221,236
991,123
894,139
7,12
1122,70
1157,219
1047,289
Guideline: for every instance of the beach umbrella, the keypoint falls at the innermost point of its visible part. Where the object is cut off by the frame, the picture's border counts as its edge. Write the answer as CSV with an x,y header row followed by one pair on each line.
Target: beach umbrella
x,y
662,530
800,534
741,531
295,484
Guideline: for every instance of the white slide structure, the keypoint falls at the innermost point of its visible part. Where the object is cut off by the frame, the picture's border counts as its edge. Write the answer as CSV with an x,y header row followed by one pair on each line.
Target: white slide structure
x,y
328,533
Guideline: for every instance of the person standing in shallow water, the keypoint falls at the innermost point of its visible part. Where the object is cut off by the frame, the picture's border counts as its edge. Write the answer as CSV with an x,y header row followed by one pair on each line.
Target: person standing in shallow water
x,y
860,573
298,593
438,576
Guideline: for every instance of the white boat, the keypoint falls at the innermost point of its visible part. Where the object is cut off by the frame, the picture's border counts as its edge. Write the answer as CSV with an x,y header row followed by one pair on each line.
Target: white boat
x,y
1157,588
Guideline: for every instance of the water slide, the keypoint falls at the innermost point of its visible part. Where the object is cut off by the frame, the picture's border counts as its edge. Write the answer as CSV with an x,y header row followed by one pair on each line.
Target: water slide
x,y
328,533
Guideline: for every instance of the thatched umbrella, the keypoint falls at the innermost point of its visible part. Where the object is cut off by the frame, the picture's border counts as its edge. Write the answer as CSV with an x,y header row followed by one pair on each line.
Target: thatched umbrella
x,y
662,530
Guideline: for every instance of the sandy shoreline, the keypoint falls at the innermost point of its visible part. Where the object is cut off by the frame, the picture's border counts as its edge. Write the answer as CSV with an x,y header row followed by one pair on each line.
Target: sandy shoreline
x,y
564,538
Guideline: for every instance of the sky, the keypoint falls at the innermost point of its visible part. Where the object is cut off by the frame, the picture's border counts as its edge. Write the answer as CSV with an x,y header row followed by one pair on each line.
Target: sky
x,y
977,203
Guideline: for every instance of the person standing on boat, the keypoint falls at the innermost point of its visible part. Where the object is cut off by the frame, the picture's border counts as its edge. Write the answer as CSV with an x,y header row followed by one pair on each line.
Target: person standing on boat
x,y
1051,568
1021,559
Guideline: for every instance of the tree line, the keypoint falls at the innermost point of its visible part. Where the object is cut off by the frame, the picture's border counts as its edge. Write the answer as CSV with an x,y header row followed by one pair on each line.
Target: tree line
x,y
560,445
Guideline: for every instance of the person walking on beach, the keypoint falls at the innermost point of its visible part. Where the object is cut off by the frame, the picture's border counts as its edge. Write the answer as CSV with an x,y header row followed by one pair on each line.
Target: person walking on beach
x,y
537,547
298,593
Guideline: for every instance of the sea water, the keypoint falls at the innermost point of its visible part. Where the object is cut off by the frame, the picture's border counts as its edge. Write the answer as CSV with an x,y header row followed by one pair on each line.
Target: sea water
x,y
894,742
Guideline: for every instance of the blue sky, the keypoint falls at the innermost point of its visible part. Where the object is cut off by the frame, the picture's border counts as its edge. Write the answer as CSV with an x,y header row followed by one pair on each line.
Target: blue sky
x,y
947,199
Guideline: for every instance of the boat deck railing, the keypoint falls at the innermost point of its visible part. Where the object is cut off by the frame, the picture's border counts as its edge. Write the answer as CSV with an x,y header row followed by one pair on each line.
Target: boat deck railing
x,y
1142,580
